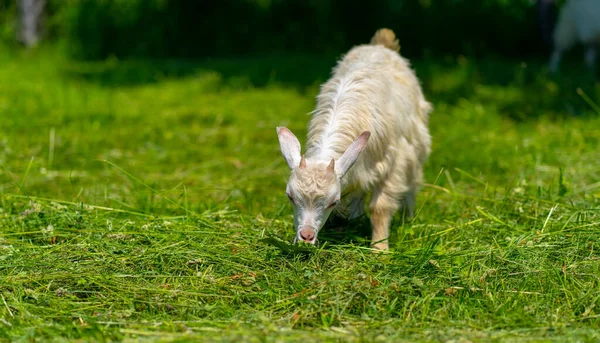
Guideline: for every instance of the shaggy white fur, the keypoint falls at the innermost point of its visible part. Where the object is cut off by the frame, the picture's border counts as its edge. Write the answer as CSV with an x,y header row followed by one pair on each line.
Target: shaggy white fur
x,y
372,90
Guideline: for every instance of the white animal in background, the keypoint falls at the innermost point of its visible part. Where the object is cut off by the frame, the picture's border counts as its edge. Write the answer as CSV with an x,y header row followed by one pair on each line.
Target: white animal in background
x,y
578,22
368,134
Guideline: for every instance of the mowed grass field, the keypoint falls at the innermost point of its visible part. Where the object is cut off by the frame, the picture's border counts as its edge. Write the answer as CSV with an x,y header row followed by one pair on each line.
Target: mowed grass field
x,y
144,201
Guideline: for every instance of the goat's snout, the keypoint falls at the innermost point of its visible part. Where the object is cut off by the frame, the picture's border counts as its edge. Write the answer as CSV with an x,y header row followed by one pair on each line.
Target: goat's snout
x,y
307,234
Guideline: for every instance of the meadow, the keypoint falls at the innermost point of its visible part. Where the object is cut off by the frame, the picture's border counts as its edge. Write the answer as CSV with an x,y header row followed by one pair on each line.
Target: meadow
x,y
145,201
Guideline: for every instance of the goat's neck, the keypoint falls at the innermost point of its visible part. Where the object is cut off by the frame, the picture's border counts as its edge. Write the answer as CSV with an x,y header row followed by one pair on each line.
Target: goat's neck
x,y
322,155
327,143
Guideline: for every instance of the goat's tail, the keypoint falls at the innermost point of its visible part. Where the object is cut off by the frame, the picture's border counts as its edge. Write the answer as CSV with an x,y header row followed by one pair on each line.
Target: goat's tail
x,y
387,38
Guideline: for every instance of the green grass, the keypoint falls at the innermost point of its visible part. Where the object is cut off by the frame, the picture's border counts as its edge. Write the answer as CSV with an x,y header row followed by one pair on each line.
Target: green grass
x,y
144,200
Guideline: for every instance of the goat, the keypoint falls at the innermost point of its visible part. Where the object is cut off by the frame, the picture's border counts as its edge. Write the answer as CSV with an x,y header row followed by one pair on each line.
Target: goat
x,y
578,22
373,104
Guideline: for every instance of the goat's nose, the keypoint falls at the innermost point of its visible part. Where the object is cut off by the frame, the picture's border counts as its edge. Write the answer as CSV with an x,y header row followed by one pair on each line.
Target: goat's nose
x,y
307,234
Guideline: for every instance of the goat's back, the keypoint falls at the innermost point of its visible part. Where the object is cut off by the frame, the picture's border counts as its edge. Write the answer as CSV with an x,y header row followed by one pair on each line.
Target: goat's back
x,y
372,89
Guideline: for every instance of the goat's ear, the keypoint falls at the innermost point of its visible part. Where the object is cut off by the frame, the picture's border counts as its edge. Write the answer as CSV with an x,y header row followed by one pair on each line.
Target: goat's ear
x,y
351,154
290,146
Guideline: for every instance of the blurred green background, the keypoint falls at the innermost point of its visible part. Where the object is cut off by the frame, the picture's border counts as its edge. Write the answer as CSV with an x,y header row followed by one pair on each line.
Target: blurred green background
x,y
96,29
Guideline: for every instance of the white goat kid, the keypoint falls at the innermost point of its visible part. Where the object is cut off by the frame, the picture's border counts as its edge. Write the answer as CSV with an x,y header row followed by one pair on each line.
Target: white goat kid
x,y
372,104
578,22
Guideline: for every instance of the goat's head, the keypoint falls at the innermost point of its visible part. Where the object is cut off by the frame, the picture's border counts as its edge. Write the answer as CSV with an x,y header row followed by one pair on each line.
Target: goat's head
x,y
314,187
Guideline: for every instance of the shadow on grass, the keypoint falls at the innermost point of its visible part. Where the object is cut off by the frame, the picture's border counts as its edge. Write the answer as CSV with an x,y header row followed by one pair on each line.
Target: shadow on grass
x,y
339,231
288,70
518,90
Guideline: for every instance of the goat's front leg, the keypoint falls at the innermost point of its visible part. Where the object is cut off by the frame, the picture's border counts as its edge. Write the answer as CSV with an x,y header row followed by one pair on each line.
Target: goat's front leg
x,y
352,205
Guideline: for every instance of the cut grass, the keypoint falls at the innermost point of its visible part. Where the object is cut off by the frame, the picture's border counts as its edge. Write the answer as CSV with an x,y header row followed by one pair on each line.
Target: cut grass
x,y
145,201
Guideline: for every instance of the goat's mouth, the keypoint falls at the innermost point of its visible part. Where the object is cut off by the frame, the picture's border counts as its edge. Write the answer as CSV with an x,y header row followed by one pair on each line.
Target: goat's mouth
x,y
300,240
306,235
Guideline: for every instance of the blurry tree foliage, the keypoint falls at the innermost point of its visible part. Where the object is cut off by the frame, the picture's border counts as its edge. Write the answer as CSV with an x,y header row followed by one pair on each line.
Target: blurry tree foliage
x,y
96,29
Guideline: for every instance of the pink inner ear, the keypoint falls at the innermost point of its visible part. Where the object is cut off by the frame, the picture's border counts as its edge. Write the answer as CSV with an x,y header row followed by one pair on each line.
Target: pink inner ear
x,y
363,139
284,130
290,146
353,151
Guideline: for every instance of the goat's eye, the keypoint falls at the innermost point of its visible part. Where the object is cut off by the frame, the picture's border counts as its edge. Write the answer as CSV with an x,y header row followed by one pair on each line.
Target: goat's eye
x,y
333,204
291,198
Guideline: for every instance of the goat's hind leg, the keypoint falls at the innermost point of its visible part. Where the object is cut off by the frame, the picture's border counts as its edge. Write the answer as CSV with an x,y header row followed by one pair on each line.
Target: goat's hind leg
x,y
410,197
356,208
410,202
383,206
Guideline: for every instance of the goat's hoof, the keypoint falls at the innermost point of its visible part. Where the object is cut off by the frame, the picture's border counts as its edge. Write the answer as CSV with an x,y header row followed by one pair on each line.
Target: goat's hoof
x,y
381,247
